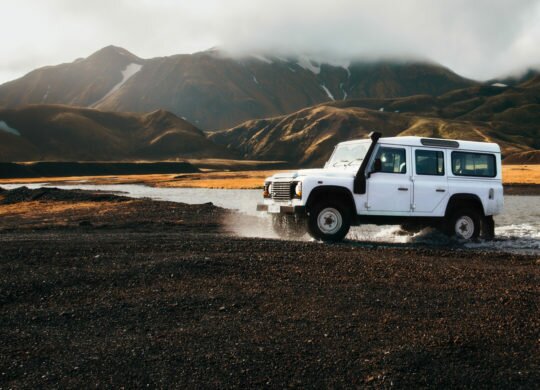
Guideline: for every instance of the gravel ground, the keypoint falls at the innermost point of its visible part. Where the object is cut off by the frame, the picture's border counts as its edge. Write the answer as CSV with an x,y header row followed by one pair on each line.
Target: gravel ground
x,y
159,294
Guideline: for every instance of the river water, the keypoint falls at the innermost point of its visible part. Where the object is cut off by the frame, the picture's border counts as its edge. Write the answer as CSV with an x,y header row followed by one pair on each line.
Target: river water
x,y
517,229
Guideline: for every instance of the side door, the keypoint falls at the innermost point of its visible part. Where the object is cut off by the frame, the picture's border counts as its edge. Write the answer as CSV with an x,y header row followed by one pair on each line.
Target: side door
x,y
430,179
389,190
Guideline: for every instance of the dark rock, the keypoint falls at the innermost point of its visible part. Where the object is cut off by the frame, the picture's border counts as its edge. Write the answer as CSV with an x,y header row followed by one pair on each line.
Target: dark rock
x,y
24,194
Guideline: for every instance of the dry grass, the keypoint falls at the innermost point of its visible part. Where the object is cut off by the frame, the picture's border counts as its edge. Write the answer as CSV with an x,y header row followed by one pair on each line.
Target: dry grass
x,y
38,213
512,174
48,208
227,180
521,174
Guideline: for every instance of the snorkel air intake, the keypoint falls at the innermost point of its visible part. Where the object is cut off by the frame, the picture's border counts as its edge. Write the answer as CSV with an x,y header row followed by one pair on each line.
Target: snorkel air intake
x,y
360,178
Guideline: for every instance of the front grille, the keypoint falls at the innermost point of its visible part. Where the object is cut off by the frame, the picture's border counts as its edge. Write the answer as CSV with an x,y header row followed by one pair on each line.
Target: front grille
x,y
281,190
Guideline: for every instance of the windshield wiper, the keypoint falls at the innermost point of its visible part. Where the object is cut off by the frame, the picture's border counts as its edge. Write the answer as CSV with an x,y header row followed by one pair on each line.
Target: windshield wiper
x,y
356,159
340,162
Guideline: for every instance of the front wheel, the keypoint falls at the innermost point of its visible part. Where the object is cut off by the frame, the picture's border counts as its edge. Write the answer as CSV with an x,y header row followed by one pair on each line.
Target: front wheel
x,y
464,224
329,222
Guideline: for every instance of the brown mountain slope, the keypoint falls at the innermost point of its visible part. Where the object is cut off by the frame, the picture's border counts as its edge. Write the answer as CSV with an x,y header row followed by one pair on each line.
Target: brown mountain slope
x,y
474,103
80,83
530,157
213,90
508,116
512,113
62,133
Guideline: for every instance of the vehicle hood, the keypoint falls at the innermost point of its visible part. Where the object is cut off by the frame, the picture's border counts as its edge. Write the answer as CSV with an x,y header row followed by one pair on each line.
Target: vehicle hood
x,y
319,172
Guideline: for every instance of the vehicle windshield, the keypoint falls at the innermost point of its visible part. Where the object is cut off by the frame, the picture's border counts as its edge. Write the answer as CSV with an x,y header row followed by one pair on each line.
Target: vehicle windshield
x,y
348,155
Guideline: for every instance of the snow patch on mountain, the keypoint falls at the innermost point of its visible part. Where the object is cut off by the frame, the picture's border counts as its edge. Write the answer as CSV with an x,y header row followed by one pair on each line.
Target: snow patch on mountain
x,y
500,85
46,94
127,73
306,63
343,90
8,129
328,93
255,80
262,58
345,64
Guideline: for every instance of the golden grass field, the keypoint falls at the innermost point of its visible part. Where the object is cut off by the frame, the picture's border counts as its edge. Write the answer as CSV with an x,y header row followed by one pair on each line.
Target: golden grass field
x,y
512,174
521,174
228,180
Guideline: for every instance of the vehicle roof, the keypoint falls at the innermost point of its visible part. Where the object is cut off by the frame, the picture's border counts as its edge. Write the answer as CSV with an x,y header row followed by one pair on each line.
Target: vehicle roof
x,y
417,141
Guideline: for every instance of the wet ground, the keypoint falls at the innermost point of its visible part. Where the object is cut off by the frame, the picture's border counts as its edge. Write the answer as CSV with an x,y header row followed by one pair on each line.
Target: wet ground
x,y
121,292
517,229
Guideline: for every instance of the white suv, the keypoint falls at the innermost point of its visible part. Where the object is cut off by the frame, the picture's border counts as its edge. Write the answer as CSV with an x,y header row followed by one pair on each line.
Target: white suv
x,y
410,181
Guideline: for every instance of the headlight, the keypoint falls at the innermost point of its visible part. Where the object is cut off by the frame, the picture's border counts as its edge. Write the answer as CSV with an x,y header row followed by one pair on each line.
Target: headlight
x,y
267,189
298,189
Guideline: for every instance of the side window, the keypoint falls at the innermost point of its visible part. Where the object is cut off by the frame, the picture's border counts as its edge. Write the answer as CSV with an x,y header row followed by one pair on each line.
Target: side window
x,y
429,162
392,160
473,164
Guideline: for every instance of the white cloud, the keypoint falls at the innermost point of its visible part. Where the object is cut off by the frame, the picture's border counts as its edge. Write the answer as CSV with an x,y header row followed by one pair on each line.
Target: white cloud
x,y
479,39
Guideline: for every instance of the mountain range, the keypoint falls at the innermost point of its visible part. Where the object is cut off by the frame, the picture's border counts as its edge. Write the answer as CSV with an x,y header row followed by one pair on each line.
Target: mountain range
x,y
213,90
114,105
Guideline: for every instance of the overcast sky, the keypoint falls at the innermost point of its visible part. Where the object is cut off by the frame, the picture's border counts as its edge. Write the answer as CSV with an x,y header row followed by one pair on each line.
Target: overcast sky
x,y
479,39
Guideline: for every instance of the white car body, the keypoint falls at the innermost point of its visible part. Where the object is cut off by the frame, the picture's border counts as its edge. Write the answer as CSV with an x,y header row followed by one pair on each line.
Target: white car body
x,y
457,169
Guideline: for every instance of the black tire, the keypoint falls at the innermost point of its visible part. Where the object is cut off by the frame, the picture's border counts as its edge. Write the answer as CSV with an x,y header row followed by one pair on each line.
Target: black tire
x,y
328,221
464,224
289,226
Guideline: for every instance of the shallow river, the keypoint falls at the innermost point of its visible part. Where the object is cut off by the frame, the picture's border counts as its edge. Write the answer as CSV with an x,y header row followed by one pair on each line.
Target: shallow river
x,y
517,229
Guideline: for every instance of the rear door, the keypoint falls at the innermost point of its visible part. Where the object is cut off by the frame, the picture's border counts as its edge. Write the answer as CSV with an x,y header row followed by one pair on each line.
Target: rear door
x,y
389,191
430,179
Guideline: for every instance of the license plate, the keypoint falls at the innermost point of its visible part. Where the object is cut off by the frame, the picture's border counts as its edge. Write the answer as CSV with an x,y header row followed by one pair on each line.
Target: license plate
x,y
274,208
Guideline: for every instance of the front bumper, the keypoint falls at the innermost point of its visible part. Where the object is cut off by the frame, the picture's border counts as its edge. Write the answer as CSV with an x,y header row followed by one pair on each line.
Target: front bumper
x,y
281,209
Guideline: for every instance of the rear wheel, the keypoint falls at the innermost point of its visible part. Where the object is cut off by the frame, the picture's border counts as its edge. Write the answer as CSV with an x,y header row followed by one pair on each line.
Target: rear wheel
x,y
464,224
329,222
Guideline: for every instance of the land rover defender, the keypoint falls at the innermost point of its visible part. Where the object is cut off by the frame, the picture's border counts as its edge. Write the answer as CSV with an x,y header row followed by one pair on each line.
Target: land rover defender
x,y
414,182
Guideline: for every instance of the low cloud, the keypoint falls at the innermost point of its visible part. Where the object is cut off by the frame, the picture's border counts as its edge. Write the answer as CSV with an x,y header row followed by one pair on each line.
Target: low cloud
x,y
480,39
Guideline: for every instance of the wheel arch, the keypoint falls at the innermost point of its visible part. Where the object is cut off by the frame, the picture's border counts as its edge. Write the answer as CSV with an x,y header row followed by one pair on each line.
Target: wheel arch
x,y
330,193
463,200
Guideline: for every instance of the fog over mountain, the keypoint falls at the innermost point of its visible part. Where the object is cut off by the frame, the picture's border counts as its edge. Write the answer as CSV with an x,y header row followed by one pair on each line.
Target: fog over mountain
x,y
480,39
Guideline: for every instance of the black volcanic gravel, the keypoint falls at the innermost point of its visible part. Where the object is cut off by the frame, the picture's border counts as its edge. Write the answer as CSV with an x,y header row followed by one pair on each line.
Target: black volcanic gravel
x,y
167,306
24,194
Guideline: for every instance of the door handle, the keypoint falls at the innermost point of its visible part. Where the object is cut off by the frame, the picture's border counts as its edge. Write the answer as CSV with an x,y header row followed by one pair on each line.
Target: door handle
x,y
403,189
440,190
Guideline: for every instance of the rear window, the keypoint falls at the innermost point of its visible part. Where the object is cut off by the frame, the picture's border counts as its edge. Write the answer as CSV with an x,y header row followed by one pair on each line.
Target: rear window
x,y
429,162
473,164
